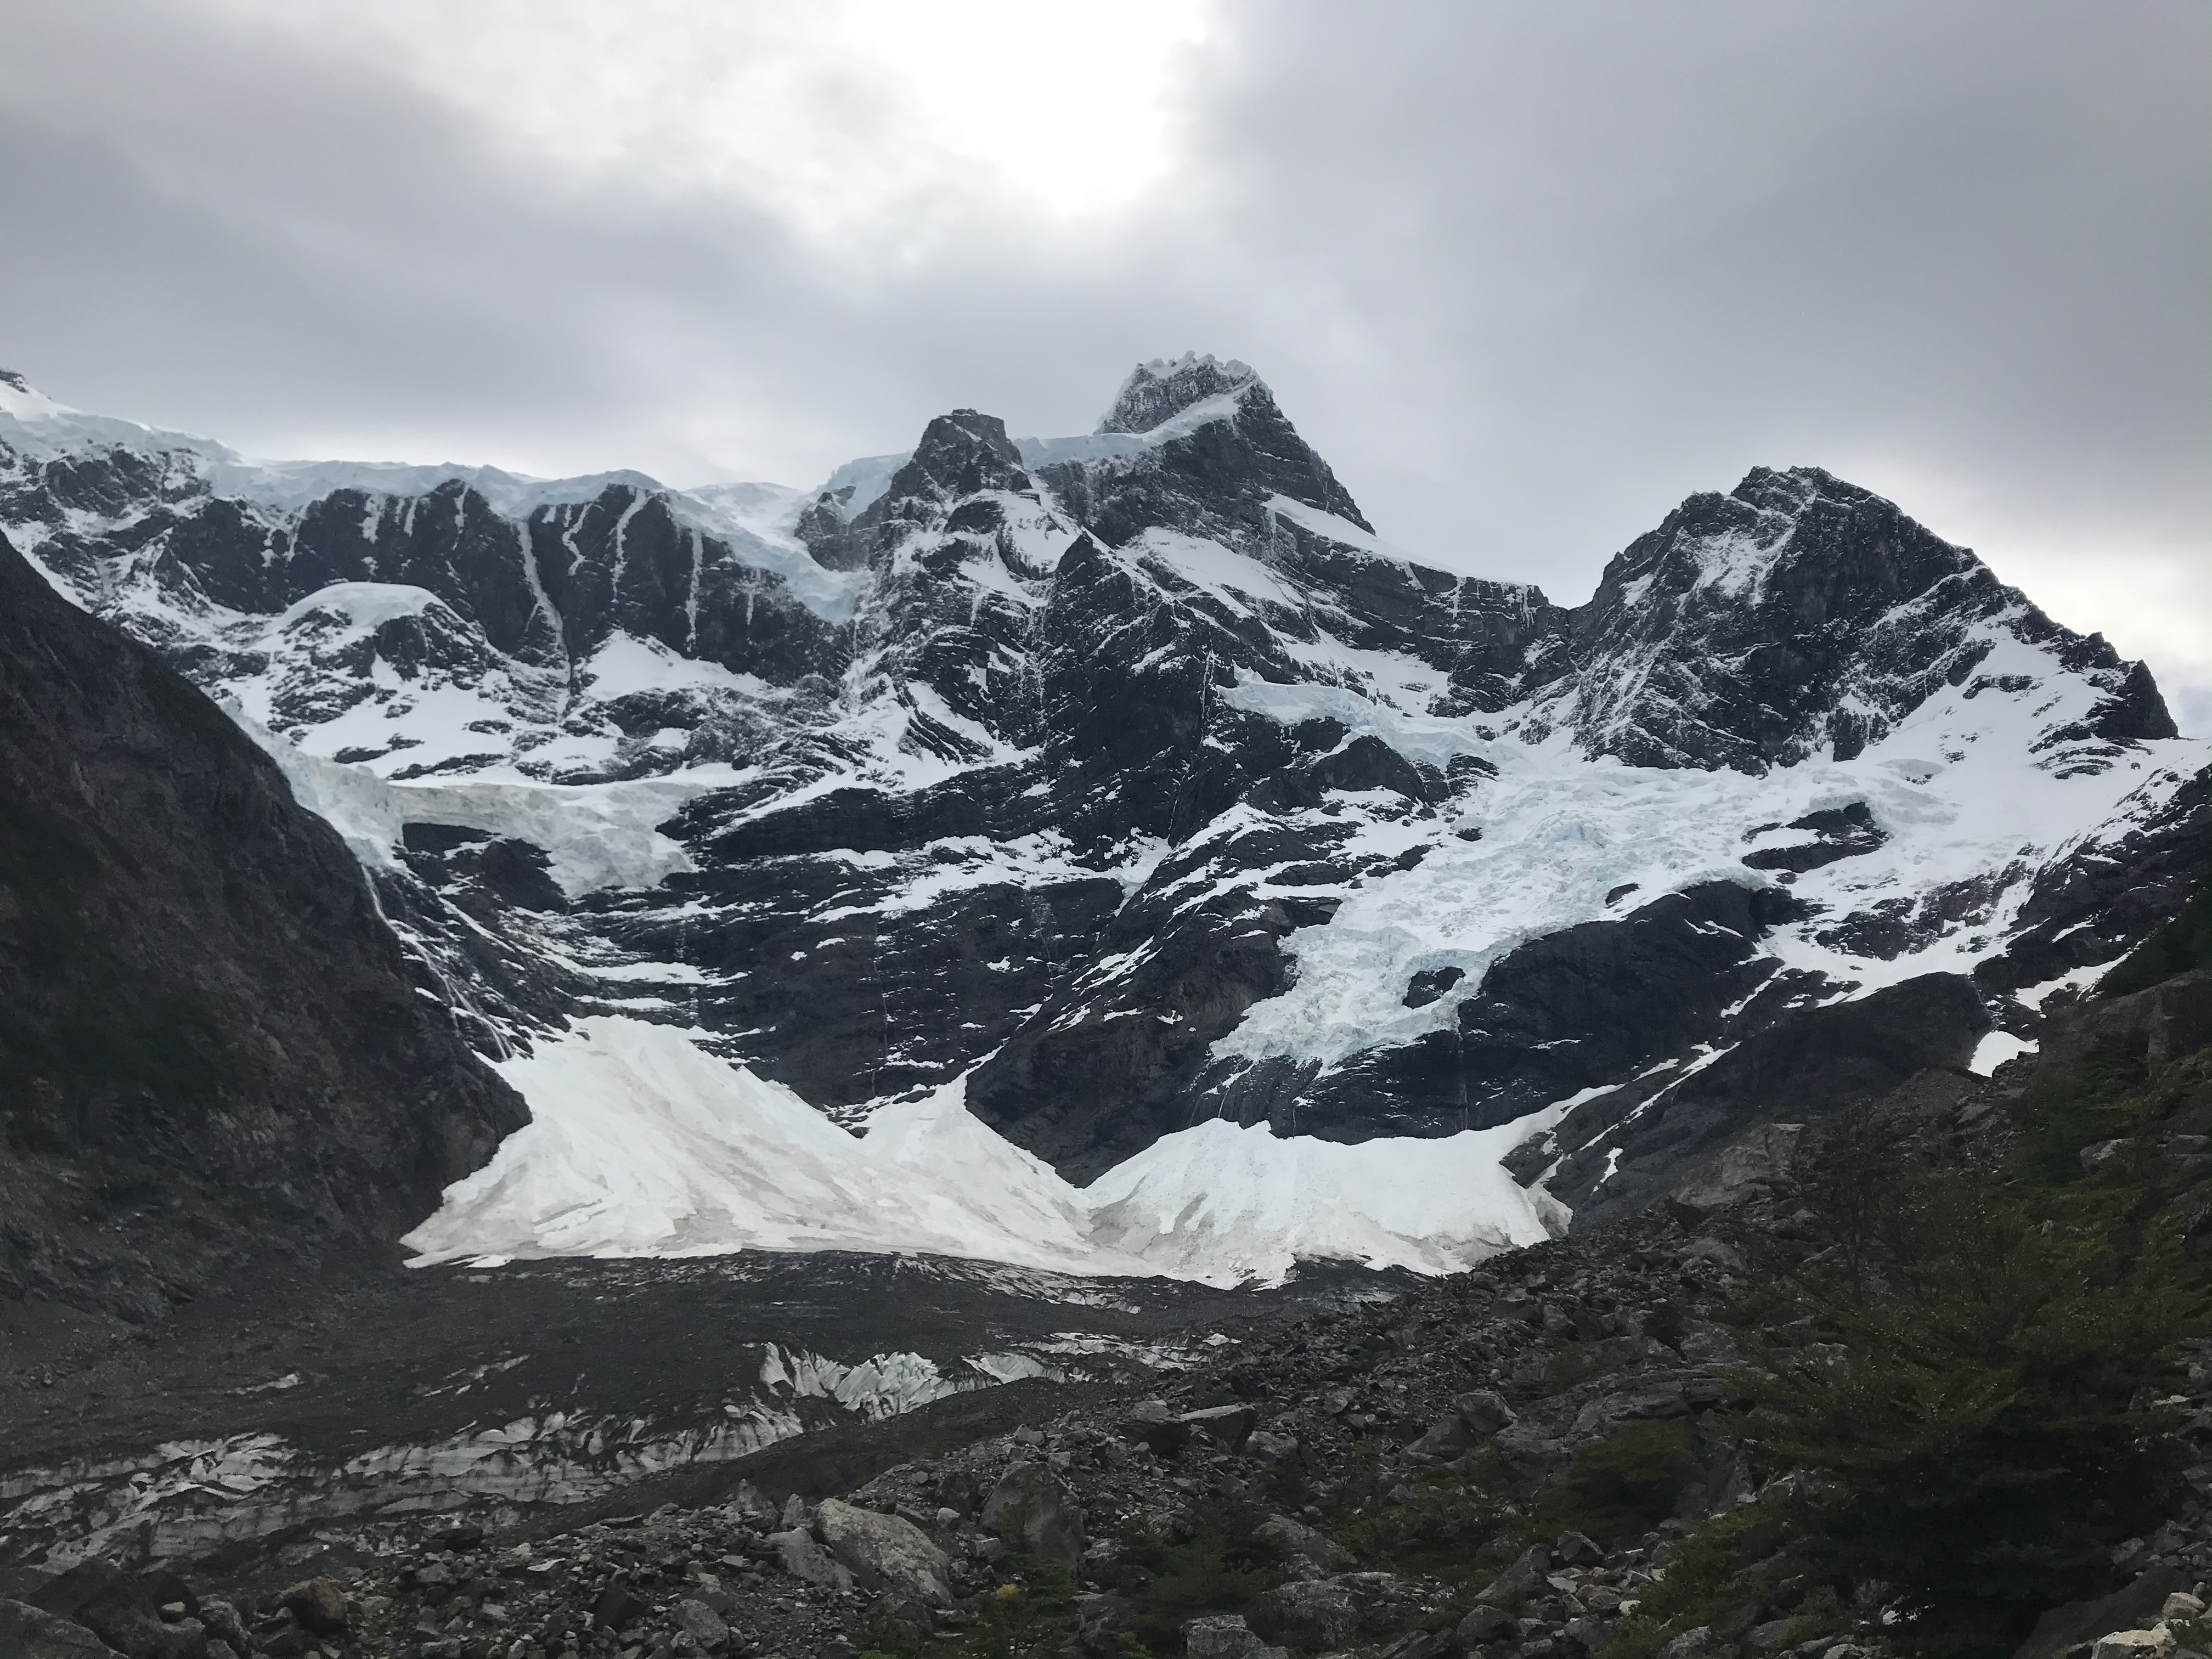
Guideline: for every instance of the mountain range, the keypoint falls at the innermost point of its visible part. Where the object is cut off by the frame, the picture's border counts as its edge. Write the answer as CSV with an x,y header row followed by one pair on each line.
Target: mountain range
x,y
1103,853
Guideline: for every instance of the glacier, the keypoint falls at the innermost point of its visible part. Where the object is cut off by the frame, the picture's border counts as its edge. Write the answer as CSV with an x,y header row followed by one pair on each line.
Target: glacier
x,y
641,1143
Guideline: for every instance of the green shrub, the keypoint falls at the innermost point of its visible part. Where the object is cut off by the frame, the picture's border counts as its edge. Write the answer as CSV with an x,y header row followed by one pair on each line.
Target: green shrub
x,y
1031,1616
1959,1363
1717,1577
1439,1527
1212,1561
2183,943
1621,1486
1574,1362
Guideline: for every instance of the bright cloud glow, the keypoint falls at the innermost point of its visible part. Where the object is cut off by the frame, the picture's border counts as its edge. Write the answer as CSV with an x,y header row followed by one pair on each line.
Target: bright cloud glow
x,y
835,115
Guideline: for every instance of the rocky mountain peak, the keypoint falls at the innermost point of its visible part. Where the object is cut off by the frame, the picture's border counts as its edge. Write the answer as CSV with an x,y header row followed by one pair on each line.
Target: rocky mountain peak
x,y
963,453
20,398
1216,449
959,454
1798,615
1158,390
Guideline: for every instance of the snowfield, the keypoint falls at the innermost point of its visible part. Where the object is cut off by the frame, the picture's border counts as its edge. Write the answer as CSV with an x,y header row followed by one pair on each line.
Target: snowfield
x,y
640,1143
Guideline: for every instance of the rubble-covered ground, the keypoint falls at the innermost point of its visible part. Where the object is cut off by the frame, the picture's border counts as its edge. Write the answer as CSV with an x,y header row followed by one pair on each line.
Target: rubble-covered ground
x,y
1570,1451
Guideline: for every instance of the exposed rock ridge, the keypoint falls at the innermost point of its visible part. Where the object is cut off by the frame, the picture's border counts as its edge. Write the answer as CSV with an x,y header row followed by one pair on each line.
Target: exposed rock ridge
x,y
205,1024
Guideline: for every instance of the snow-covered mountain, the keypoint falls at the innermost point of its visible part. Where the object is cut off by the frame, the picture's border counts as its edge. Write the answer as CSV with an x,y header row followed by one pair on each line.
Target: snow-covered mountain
x,y
1269,892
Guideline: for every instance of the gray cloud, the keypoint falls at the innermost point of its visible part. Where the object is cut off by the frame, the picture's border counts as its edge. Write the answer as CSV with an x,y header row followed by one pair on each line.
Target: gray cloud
x,y
1526,275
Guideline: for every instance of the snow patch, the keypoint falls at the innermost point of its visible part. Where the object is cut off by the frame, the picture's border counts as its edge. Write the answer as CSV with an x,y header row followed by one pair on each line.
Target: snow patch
x,y
1222,1204
1995,1048
640,1143
596,835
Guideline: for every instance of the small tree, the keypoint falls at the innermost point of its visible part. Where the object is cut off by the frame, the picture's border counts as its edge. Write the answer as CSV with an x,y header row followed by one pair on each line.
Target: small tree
x,y
1970,1384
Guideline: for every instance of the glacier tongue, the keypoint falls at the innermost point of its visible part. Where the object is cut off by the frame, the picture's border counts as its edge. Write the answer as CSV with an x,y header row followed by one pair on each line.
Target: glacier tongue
x,y
642,1144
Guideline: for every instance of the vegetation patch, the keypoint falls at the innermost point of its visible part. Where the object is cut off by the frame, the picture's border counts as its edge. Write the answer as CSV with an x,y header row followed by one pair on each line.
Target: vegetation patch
x,y
1623,1485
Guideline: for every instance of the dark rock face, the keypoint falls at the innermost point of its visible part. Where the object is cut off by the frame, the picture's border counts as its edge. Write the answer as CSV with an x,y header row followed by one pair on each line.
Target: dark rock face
x,y
1796,615
1214,475
1075,766
1805,1062
201,1014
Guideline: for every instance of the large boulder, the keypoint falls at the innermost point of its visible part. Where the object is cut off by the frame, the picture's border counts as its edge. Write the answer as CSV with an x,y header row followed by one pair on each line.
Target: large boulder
x,y
1322,1613
1229,1425
29,1632
1304,1543
2077,1623
884,1551
318,1603
1226,1637
1485,1625
1033,1508
1523,1579
1155,1423
702,1625
807,1561
123,1610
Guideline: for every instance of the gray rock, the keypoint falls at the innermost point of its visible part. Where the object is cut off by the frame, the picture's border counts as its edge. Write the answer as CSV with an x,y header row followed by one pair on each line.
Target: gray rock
x,y
749,1505
1588,1633
1532,1454
1523,1579
1573,1549
2153,1644
2176,1016
1772,1636
1032,1507
1752,1166
1446,1438
1712,1250
702,1625
123,1609
1417,1644
1319,1613
1154,1424
1486,1624
2105,1151
1301,1541
1708,1344
618,1608
26,1632
1100,1620
1230,1425
224,1624
1690,1644
884,1552
1227,1637
318,1603
1270,1448
806,1560
1484,1412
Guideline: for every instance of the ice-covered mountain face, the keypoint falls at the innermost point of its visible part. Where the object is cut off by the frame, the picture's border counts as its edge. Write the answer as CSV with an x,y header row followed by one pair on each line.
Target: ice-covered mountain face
x,y
1125,794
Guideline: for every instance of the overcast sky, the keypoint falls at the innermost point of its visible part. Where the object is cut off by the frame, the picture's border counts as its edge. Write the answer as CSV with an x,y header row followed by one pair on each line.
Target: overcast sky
x,y
1527,274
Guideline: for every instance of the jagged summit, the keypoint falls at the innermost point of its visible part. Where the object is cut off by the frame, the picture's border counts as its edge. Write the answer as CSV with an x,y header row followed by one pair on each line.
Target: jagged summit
x,y
960,454
15,382
1158,390
1802,614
